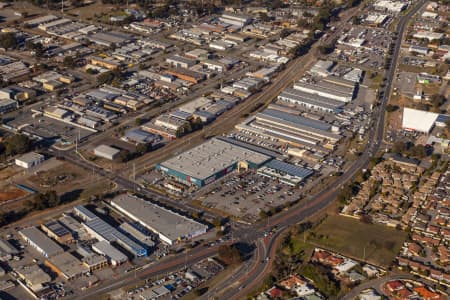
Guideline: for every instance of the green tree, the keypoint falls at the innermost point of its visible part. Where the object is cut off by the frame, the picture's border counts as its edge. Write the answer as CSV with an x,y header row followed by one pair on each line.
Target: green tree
x,y
399,147
138,121
391,108
17,144
326,49
8,40
417,151
69,62
143,148
38,48
105,78
230,254
437,100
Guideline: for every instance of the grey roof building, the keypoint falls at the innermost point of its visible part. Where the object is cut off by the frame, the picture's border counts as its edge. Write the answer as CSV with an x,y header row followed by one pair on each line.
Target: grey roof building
x,y
210,161
42,243
170,226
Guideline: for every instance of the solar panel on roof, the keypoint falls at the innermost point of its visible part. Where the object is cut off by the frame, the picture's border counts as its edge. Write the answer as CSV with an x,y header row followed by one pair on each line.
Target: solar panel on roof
x,y
290,169
296,119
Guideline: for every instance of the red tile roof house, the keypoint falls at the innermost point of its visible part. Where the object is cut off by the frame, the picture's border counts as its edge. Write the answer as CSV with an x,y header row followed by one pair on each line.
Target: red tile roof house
x,y
436,274
292,282
274,292
402,294
394,285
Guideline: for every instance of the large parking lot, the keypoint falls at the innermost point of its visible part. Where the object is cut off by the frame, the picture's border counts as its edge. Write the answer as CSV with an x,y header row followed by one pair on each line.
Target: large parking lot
x,y
246,195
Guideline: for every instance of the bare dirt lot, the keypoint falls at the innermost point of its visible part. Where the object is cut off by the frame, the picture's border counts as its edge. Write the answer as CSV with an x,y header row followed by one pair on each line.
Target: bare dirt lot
x,y
11,193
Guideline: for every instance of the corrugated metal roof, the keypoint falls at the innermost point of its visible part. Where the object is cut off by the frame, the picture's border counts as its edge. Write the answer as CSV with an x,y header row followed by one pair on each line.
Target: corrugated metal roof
x,y
296,119
290,169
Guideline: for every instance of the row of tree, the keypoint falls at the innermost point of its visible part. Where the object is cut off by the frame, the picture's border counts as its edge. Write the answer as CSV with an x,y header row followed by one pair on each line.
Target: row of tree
x,y
15,144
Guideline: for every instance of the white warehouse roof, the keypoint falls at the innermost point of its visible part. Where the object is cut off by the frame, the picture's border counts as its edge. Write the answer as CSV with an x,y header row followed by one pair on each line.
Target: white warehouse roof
x,y
169,225
418,120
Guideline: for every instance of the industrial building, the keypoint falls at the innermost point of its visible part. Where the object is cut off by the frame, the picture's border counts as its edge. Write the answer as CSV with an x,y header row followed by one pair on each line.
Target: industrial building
x,y
66,266
210,161
284,172
187,75
108,38
107,152
235,19
137,234
295,131
332,87
312,129
115,256
419,120
322,68
311,101
178,61
390,6
75,227
95,262
137,136
34,277
29,160
103,231
39,241
41,20
84,213
58,232
7,250
170,226
7,105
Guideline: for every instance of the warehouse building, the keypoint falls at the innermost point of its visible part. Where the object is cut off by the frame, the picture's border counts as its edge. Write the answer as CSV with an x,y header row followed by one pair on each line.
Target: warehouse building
x,y
235,19
75,227
39,241
34,277
330,87
108,38
7,105
210,161
114,256
102,231
322,68
107,152
7,250
41,20
314,129
95,262
311,101
29,160
66,266
138,136
418,120
178,61
84,213
170,226
58,232
284,172
187,75
137,234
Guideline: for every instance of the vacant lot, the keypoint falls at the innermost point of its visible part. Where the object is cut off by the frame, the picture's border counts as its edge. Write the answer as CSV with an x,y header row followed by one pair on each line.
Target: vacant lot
x,y
350,237
11,193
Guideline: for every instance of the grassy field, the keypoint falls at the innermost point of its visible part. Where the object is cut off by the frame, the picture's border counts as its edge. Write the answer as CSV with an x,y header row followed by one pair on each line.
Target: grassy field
x,y
349,237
